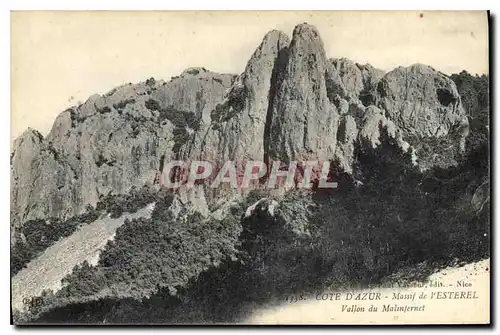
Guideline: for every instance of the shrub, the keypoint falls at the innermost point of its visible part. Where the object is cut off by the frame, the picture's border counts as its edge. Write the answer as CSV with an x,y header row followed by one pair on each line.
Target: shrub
x,y
151,82
41,234
121,105
152,105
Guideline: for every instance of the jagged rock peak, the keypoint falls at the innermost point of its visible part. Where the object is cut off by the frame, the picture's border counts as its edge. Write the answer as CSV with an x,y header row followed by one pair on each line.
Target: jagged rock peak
x,y
303,122
352,81
306,38
29,133
239,121
290,103
275,36
307,30
264,57
28,144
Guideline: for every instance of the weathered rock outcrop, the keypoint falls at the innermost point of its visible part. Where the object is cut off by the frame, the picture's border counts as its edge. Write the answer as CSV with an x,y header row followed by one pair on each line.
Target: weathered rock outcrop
x,y
346,136
290,103
353,81
196,90
421,101
42,180
109,143
481,196
415,104
375,120
303,122
425,106
239,122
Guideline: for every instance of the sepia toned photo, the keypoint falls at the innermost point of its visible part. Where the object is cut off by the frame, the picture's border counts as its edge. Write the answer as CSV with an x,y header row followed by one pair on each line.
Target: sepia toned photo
x,y
250,168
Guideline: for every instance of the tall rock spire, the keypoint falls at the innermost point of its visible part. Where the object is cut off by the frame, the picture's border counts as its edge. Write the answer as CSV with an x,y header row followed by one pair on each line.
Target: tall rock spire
x,y
303,122
239,122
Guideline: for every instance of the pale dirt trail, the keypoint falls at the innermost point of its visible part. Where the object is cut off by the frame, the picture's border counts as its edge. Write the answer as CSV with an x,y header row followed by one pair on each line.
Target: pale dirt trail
x,y
47,270
436,311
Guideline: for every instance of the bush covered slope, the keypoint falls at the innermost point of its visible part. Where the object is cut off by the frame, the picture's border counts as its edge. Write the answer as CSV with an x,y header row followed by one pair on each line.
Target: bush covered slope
x,y
163,270
410,151
37,235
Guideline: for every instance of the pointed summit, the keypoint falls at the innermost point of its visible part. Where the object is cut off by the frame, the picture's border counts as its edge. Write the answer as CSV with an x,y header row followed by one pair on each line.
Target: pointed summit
x,y
305,29
306,38
304,123
29,135
275,36
239,122
31,132
266,54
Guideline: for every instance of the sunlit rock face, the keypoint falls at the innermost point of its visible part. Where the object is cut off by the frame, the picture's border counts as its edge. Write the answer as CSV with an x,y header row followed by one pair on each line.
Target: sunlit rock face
x,y
290,103
303,122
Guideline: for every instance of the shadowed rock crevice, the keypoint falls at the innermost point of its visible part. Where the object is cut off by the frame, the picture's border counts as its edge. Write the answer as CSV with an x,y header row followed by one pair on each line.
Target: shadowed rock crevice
x,y
445,97
276,82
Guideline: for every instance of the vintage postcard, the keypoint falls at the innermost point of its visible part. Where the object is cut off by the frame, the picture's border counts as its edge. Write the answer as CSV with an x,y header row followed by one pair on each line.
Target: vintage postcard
x,y
195,168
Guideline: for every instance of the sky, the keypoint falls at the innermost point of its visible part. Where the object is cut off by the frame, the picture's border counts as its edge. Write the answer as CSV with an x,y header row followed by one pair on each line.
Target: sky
x,y
59,59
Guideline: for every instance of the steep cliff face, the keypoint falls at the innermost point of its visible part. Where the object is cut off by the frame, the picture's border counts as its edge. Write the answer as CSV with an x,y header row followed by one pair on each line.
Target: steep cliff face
x,y
303,122
417,105
425,106
109,143
238,123
290,103
42,180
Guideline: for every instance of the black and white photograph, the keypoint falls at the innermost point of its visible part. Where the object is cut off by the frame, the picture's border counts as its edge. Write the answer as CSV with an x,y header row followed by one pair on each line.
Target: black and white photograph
x,y
250,168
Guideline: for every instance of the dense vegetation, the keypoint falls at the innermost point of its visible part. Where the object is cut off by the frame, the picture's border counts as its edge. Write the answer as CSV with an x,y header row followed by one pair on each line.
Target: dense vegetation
x,y
160,252
398,218
180,119
37,235
474,91
385,217
148,255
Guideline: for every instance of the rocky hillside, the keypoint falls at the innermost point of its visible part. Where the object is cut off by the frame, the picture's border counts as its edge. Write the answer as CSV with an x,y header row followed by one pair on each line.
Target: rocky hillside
x,y
413,186
59,259
109,143
291,102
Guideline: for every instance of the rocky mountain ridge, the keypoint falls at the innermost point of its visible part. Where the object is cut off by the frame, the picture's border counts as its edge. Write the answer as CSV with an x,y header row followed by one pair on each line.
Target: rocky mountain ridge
x,y
290,103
